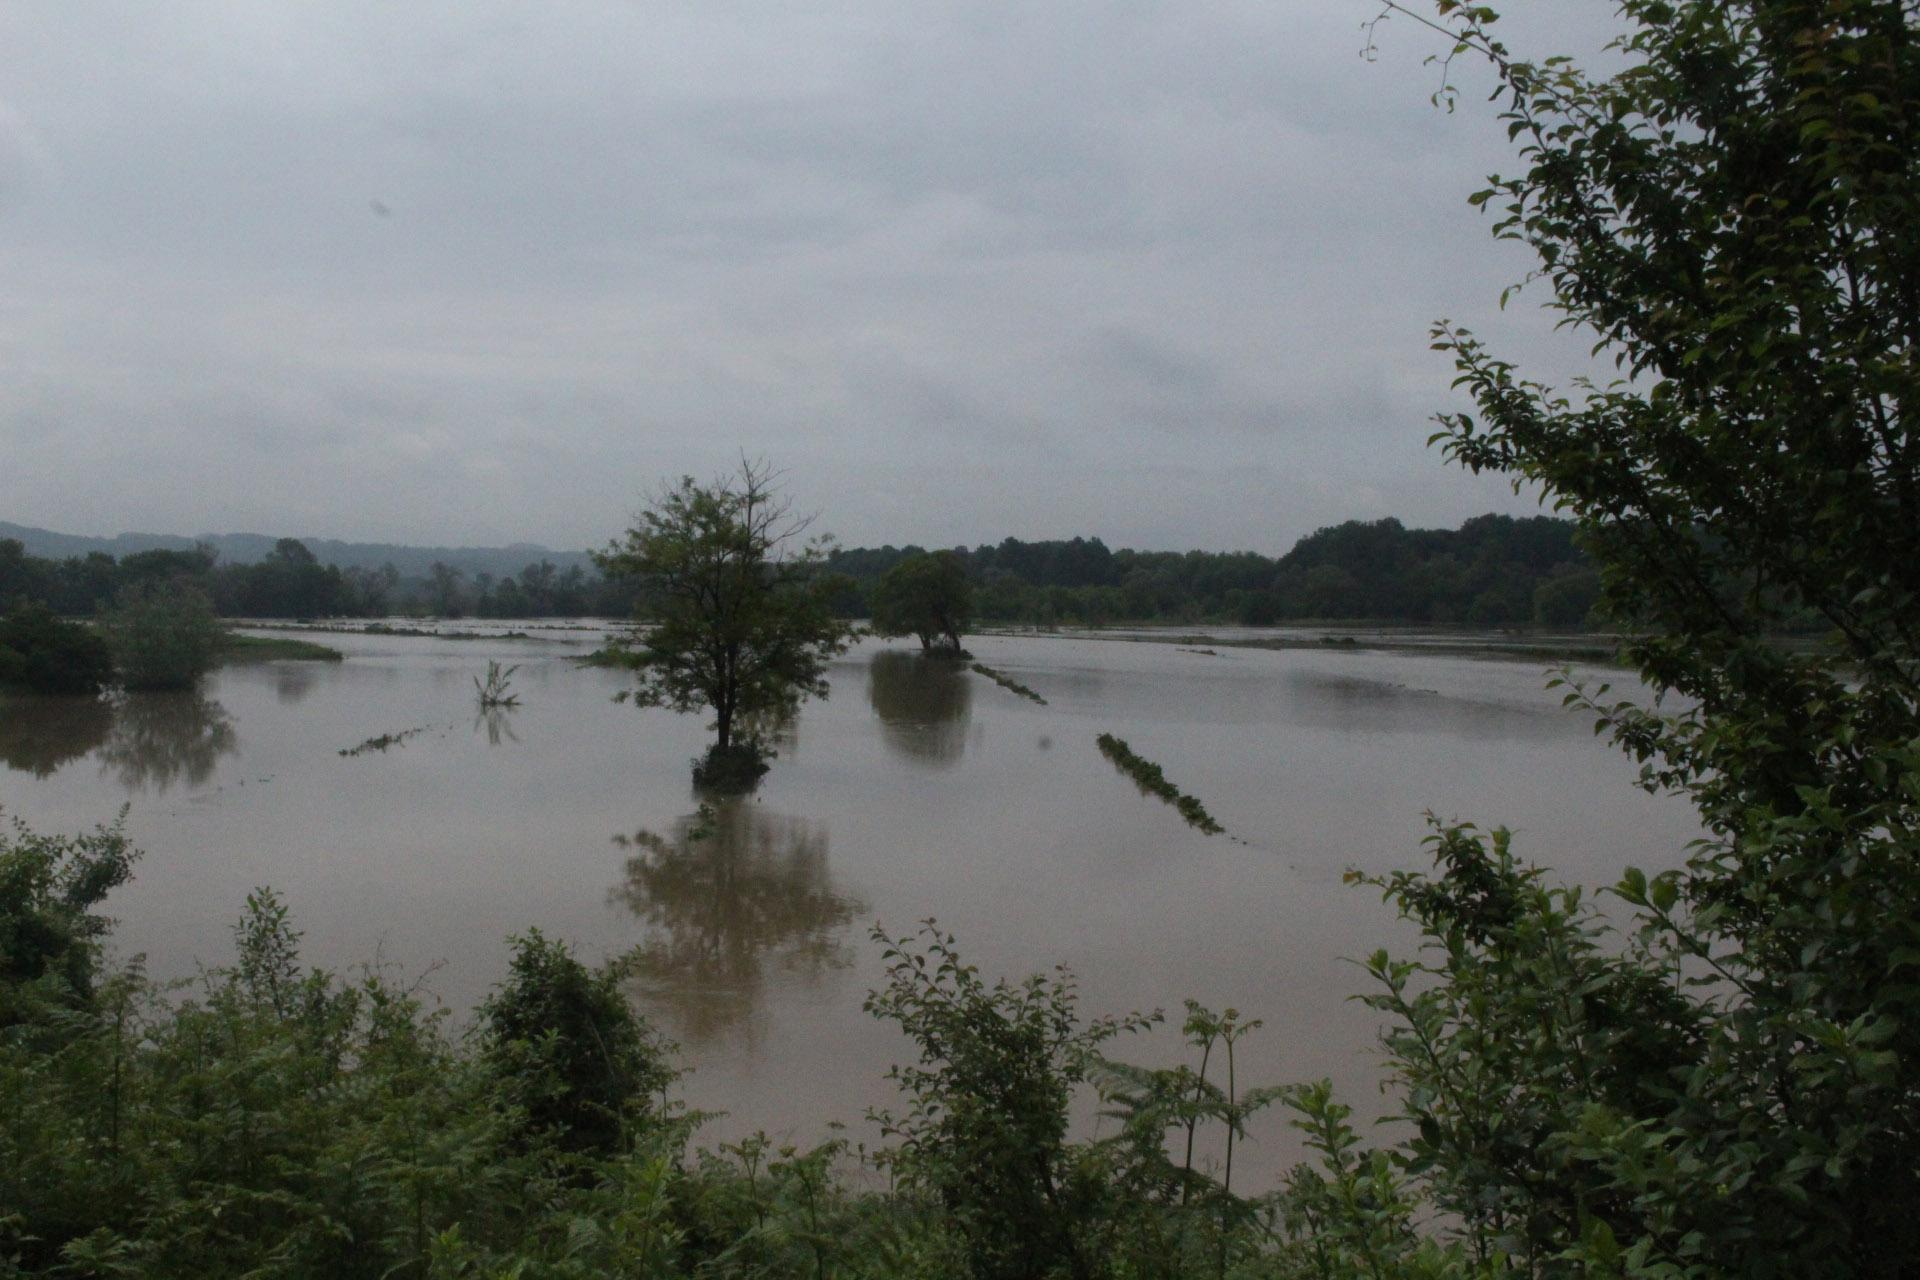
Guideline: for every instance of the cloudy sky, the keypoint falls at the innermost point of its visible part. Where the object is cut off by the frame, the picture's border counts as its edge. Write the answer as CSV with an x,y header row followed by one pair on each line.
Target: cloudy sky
x,y
475,271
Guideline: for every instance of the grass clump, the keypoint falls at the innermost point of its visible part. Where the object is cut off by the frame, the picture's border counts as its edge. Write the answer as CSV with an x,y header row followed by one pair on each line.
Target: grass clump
x,y
495,690
238,648
1149,777
1008,683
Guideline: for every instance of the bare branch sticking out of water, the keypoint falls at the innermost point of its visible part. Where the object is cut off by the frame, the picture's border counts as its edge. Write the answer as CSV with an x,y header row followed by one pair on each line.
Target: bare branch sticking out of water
x,y
1008,683
1149,778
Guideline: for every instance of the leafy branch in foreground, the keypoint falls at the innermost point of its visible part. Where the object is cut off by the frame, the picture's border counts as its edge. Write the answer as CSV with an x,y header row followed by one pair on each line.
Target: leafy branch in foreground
x,y
1149,777
1733,1086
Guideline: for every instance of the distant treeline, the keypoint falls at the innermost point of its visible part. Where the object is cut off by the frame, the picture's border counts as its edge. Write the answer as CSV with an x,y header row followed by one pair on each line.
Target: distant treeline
x,y
290,582
249,548
1493,571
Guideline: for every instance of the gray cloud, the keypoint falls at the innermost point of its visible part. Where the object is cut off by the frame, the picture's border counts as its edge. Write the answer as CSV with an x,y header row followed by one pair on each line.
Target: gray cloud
x,y
483,271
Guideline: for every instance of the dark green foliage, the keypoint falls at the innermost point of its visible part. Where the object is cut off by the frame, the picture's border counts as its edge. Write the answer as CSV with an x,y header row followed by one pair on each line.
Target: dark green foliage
x,y
740,623
49,935
289,581
41,654
579,1066
1485,573
985,1133
1151,780
731,769
163,634
1567,599
1729,1088
927,596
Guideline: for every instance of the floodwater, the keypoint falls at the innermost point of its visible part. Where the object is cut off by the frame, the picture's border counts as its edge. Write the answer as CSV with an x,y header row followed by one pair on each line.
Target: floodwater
x,y
917,790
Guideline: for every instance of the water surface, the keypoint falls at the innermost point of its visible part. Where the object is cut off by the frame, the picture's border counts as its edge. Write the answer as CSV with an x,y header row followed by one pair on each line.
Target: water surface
x,y
917,790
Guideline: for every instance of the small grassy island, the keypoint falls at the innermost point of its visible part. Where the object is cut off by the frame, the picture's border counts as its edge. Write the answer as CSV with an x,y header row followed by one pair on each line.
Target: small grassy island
x,y
235,647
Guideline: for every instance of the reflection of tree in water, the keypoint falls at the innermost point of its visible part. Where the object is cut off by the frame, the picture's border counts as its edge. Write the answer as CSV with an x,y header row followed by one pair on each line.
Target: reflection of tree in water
x,y
159,739
731,892
39,735
924,704
497,724
292,681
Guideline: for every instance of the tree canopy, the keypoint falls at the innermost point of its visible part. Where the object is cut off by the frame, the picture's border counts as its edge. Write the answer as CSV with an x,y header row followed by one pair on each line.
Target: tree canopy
x,y
737,608
928,596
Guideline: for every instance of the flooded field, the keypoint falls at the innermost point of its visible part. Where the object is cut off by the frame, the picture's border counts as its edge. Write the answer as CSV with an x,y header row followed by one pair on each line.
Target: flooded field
x,y
918,789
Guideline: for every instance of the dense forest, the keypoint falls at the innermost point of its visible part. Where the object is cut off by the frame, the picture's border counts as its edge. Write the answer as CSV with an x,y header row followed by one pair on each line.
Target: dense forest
x,y
1493,571
291,582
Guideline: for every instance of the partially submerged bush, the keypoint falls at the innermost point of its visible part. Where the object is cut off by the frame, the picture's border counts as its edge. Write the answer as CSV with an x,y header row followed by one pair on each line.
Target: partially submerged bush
x,y
731,769
39,653
164,635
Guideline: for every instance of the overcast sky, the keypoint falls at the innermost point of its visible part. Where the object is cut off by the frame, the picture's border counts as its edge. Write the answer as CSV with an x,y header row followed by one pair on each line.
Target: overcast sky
x,y
483,271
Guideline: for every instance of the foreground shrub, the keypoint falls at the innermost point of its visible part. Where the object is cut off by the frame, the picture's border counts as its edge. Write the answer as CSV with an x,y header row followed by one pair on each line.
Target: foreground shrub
x,y
39,653
577,1065
985,1133
49,934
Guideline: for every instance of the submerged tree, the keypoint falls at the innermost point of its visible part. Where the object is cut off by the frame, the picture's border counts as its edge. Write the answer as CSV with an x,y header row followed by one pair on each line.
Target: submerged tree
x,y
928,596
738,608
164,635
1735,1091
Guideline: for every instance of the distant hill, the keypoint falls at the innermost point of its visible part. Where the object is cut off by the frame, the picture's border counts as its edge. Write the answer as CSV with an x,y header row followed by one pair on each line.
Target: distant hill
x,y
247,548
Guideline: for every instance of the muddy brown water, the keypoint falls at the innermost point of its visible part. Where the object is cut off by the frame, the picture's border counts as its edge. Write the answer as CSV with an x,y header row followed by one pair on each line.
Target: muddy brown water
x,y
917,789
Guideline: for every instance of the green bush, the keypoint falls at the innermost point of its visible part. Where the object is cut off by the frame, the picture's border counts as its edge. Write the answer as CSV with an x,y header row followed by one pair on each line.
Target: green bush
x,y
581,1069
985,1132
41,654
734,768
164,635
49,935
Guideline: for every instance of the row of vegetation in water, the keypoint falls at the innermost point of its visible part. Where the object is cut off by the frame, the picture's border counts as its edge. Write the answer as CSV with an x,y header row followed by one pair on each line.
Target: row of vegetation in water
x,y
1149,777
383,742
1008,683
236,647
